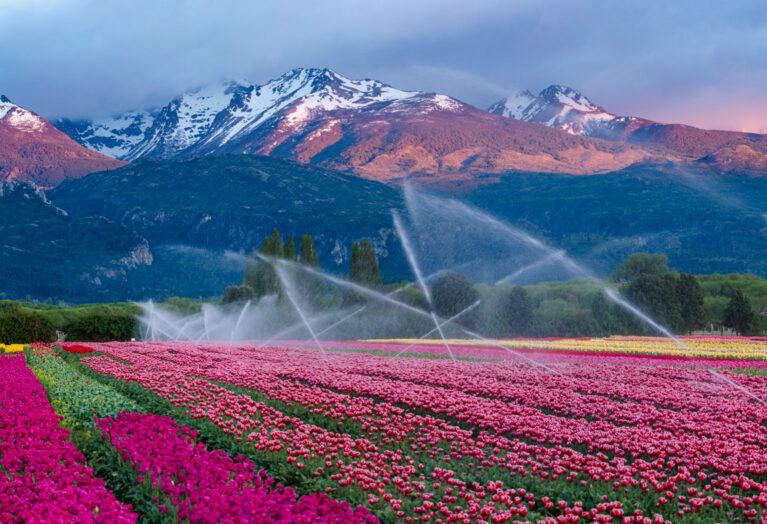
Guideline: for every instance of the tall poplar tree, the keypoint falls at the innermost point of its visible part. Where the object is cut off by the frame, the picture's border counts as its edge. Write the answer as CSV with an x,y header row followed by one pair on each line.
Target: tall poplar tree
x,y
290,249
740,316
690,297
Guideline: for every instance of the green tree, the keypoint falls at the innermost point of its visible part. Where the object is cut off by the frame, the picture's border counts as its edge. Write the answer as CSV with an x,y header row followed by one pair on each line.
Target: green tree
x,y
277,248
336,300
519,311
364,265
309,255
237,294
265,281
267,248
655,294
251,272
604,315
691,313
559,318
311,286
363,270
740,316
638,265
290,249
451,294
181,305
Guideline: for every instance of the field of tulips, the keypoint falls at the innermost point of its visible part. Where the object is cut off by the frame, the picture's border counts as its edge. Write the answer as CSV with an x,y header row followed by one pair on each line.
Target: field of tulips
x,y
509,431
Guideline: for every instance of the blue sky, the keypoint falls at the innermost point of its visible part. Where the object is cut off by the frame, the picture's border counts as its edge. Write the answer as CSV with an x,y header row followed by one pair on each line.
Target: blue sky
x,y
699,62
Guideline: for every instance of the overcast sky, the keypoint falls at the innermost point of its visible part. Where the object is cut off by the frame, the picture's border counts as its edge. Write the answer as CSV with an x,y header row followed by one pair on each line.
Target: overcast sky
x,y
702,62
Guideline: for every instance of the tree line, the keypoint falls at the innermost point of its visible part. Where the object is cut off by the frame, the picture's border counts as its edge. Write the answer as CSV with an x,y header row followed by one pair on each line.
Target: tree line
x,y
277,267
681,302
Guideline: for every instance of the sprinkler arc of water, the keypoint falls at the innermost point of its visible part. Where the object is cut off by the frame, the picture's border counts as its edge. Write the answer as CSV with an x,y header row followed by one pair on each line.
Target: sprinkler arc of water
x,y
446,322
239,320
289,292
385,298
410,253
551,257
408,307
737,386
345,283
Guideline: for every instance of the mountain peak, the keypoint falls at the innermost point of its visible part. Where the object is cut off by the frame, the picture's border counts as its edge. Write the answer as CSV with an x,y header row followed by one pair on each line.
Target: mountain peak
x,y
33,150
310,71
567,96
556,106
236,111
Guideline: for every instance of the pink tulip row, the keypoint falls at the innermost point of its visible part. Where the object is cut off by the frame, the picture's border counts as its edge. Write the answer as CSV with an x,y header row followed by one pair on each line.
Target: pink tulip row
x,y
383,422
389,477
43,477
691,397
712,446
206,486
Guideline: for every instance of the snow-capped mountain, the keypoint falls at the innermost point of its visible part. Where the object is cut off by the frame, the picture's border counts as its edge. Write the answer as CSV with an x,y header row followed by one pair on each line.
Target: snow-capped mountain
x,y
31,149
216,116
318,116
570,111
561,107
112,136
20,119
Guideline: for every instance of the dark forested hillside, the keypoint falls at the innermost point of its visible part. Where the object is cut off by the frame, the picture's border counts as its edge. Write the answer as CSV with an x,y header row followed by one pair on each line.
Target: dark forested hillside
x,y
184,227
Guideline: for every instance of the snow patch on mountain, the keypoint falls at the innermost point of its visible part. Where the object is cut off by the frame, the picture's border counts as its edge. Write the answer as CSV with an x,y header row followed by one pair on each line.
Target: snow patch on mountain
x,y
556,106
513,106
446,103
5,106
19,118
113,136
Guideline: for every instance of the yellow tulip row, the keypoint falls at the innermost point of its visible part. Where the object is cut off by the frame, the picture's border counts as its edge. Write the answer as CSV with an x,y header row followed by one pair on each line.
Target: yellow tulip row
x,y
11,348
711,347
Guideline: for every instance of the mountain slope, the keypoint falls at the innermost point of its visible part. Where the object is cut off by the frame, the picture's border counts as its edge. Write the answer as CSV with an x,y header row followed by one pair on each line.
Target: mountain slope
x,y
110,136
201,217
46,252
566,109
33,150
704,222
365,126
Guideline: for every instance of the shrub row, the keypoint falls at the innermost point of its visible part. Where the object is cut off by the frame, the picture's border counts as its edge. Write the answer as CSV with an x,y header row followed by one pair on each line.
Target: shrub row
x,y
101,326
23,326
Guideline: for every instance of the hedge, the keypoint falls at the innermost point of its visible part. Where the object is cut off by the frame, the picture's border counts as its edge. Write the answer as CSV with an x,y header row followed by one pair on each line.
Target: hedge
x,y
101,326
19,326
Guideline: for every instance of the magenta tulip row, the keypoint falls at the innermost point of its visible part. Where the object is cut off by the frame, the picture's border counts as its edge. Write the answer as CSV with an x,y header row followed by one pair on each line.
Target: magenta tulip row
x,y
210,486
43,478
